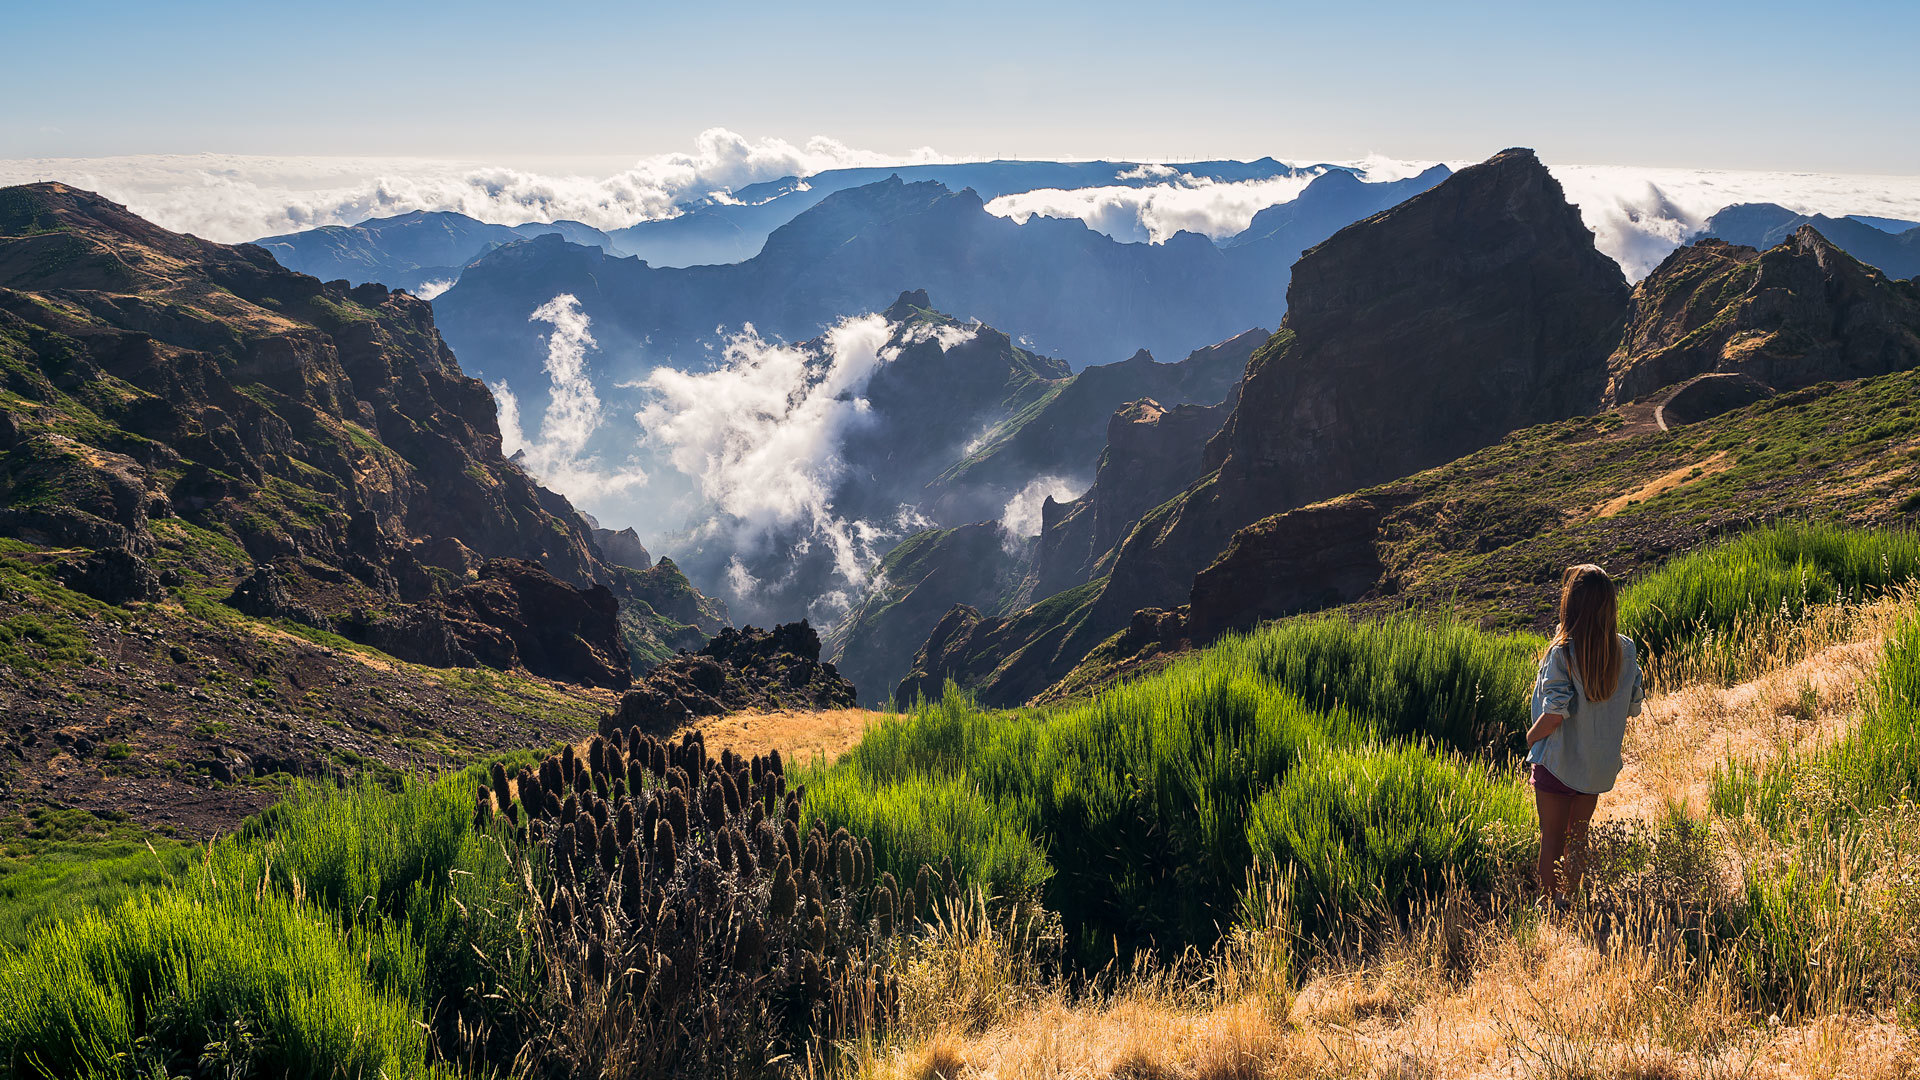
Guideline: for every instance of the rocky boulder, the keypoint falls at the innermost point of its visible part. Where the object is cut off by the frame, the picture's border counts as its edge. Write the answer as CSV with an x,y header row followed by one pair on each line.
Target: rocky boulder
x,y
739,670
112,576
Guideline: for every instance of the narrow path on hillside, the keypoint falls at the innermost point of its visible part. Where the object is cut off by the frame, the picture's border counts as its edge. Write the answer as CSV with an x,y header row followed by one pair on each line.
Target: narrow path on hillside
x,y
1675,745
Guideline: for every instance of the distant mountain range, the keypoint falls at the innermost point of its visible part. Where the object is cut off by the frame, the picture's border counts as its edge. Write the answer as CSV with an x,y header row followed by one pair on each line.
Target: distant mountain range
x,y
1067,290
732,226
423,251
1890,244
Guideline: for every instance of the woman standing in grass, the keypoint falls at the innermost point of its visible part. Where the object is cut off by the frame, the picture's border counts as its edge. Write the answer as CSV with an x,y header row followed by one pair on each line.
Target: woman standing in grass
x,y
1589,683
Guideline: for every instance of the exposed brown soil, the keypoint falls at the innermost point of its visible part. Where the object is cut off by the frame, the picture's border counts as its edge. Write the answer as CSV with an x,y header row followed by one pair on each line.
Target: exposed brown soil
x,y
186,727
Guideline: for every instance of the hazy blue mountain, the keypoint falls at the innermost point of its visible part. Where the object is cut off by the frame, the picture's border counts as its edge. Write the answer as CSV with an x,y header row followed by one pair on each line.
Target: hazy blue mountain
x,y
1331,203
732,227
409,250
1885,224
1065,289
1767,225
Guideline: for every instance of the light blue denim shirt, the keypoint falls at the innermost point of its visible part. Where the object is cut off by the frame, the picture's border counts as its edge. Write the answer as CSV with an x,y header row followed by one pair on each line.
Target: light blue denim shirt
x,y
1584,752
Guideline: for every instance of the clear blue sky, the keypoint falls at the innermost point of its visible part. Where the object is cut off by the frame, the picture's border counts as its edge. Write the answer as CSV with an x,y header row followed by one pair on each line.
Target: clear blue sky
x,y
1830,87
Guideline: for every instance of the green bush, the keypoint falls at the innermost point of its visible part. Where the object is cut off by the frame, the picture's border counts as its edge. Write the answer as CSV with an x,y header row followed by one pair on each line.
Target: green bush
x,y
368,892
1130,812
63,880
1370,828
1459,686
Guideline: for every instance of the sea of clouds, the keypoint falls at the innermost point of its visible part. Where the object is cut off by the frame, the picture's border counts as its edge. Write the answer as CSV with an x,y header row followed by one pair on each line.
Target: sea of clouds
x,y
235,197
1638,214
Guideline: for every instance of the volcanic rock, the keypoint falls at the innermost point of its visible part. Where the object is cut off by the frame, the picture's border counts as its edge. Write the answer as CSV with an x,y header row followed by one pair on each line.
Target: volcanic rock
x,y
738,670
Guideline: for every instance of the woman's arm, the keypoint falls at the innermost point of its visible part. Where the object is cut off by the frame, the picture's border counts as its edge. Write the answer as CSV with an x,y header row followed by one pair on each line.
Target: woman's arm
x,y
1543,727
1553,695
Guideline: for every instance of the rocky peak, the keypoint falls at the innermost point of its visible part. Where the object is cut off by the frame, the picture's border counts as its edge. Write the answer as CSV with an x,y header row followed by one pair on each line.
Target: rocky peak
x,y
912,302
1424,332
1801,312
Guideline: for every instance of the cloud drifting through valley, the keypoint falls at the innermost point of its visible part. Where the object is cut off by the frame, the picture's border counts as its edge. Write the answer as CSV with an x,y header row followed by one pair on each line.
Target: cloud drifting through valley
x,y
761,436
1198,204
557,456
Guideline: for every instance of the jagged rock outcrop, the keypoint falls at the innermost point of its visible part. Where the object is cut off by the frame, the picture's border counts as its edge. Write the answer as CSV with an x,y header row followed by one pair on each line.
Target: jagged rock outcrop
x,y
1152,453
738,670
952,652
1710,395
1315,557
1411,338
1796,314
263,594
516,616
623,548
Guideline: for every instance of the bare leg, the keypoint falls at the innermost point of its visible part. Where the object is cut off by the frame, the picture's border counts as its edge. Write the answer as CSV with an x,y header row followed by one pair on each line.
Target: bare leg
x,y
1556,811
1580,816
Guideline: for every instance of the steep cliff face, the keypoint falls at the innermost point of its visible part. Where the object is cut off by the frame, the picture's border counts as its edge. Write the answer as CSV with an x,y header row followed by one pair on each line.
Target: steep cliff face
x,y
1411,338
1152,453
1798,313
163,392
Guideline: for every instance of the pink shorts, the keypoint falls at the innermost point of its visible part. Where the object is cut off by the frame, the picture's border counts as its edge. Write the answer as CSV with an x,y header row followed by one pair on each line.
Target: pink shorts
x,y
1549,783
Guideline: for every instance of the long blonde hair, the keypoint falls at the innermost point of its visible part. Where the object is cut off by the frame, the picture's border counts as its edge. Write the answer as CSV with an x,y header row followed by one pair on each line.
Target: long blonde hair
x,y
1590,628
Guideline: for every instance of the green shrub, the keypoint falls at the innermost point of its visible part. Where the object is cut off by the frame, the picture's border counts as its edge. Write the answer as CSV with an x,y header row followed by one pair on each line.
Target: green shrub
x,y
1130,812
1459,686
1370,828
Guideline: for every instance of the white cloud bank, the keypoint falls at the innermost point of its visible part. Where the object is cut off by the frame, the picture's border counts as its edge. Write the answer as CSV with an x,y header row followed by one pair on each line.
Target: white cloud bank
x,y
1638,215
1213,208
558,457
231,197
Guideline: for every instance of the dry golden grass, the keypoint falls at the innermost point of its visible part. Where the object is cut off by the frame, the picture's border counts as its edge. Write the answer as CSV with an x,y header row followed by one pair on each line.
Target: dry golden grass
x,y
1457,990
1660,485
1807,694
799,736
